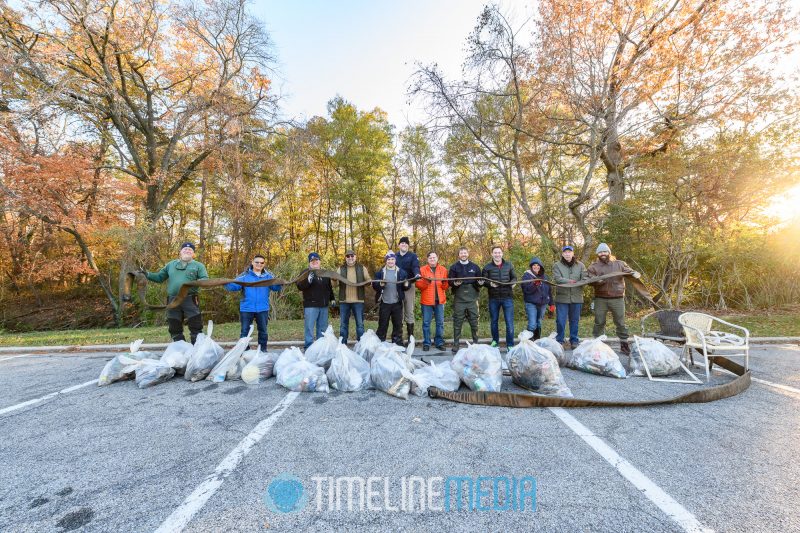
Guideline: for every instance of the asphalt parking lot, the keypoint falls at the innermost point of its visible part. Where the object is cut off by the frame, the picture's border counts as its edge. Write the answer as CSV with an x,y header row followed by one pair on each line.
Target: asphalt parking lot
x,y
202,456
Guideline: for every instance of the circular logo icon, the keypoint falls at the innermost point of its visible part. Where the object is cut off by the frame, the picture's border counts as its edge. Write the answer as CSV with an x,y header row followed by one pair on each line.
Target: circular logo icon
x,y
285,494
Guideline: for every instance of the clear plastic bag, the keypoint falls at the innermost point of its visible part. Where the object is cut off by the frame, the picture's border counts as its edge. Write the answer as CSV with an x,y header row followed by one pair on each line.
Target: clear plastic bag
x,y
231,360
152,372
366,346
442,377
260,368
177,355
596,357
389,372
551,344
304,376
117,370
323,349
480,367
535,368
348,371
661,361
205,355
287,357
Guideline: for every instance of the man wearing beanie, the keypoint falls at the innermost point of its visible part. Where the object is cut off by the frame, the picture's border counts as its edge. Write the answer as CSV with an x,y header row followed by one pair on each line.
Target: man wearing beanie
x,y
408,262
179,271
609,295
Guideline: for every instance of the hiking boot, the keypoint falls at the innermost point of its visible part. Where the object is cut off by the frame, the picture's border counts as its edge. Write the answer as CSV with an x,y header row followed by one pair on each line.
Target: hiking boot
x,y
474,340
625,348
454,349
537,334
426,347
440,347
573,345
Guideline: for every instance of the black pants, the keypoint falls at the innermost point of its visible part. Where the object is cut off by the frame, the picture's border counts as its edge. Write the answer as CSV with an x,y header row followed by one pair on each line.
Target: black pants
x,y
395,312
189,310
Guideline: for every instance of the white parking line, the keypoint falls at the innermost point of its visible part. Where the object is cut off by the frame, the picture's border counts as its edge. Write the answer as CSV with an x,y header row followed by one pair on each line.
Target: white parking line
x,y
15,356
46,397
678,513
181,516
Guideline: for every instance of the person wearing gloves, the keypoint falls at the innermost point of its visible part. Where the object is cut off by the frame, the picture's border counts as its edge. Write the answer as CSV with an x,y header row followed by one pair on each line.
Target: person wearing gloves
x,y
390,284
569,300
432,299
609,295
500,296
317,296
465,296
254,304
409,263
537,295
176,273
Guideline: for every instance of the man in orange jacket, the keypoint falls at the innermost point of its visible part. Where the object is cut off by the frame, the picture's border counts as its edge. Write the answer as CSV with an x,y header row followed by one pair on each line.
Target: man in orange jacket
x,y
432,300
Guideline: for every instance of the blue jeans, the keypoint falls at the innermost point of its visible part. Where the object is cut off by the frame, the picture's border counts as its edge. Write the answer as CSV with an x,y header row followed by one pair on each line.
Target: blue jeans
x,y
357,310
314,316
261,317
573,312
428,311
535,314
507,304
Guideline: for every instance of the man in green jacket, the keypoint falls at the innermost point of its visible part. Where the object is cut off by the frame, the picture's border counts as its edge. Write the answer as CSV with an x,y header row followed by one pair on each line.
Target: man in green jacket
x,y
569,301
176,273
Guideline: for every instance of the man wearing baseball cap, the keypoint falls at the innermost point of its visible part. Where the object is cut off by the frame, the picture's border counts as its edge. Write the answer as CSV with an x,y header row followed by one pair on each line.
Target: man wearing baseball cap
x,y
351,297
317,296
569,300
609,295
176,273
390,284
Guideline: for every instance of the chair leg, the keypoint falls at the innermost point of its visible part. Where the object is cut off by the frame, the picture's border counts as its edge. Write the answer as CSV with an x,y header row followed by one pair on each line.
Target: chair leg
x,y
708,369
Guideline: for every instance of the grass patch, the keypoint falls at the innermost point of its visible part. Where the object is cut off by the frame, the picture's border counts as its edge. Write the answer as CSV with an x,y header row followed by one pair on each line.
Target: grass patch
x,y
777,324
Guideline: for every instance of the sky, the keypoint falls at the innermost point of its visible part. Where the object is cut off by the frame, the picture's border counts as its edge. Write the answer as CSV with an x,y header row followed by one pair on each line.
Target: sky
x,y
364,51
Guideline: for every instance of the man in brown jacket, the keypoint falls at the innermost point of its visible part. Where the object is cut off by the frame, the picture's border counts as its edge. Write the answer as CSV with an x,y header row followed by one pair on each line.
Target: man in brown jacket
x,y
609,295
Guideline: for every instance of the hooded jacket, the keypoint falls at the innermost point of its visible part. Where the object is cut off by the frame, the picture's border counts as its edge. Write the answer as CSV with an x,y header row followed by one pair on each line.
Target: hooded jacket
x,y
536,292
254,299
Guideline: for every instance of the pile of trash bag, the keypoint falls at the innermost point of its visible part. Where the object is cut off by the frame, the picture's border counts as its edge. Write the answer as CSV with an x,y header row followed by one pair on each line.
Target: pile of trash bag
x,y
348,371
287,357
550,343
536,368
230,362
661,361
390,372
596,357
303,376
117,370
442,377
176,355
480,367
205,356
323,349
367,345
259,367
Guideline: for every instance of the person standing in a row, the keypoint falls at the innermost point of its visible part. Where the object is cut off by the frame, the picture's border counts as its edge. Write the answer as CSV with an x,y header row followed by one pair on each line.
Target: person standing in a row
x,y
569,300
537,295
408,262
317,296
501,287
465,296
351,298
432,299
254,304
390,284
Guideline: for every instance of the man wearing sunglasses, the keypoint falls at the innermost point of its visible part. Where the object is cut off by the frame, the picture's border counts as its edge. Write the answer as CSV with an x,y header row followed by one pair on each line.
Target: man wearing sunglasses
x,y
255,300
351,298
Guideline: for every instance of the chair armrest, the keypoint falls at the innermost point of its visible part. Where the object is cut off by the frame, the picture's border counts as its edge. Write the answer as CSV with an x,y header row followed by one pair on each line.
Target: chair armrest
x,y
734,326
696,330
644,318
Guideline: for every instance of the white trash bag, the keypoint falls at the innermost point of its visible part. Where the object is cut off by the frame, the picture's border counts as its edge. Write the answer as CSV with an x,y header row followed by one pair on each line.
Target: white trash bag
x,y
287,357
116,370
442,377
389,372
480,367
151,372
661,361
596,357
323,349
348,372
205,356
535,368
366,346
177,355
260,368
550,343
231,359
303,376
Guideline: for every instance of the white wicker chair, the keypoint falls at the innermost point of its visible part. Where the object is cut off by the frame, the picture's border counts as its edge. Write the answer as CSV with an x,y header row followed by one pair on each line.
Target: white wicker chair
x,y
700,335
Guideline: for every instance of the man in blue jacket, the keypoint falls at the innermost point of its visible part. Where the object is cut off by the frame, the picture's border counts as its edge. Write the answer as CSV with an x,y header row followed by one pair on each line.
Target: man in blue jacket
x,y
255,300
408,262
538,296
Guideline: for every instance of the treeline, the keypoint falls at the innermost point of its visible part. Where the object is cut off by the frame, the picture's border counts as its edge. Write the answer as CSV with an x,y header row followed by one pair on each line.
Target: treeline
x,y
665,129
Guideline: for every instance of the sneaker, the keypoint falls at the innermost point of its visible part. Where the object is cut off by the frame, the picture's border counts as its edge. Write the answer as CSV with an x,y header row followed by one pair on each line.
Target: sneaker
x,y
494,344
454,349
440,347
574,345
426,347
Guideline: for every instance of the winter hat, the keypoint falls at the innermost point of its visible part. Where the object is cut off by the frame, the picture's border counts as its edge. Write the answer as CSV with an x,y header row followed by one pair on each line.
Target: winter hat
x,y
404,240
602,247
